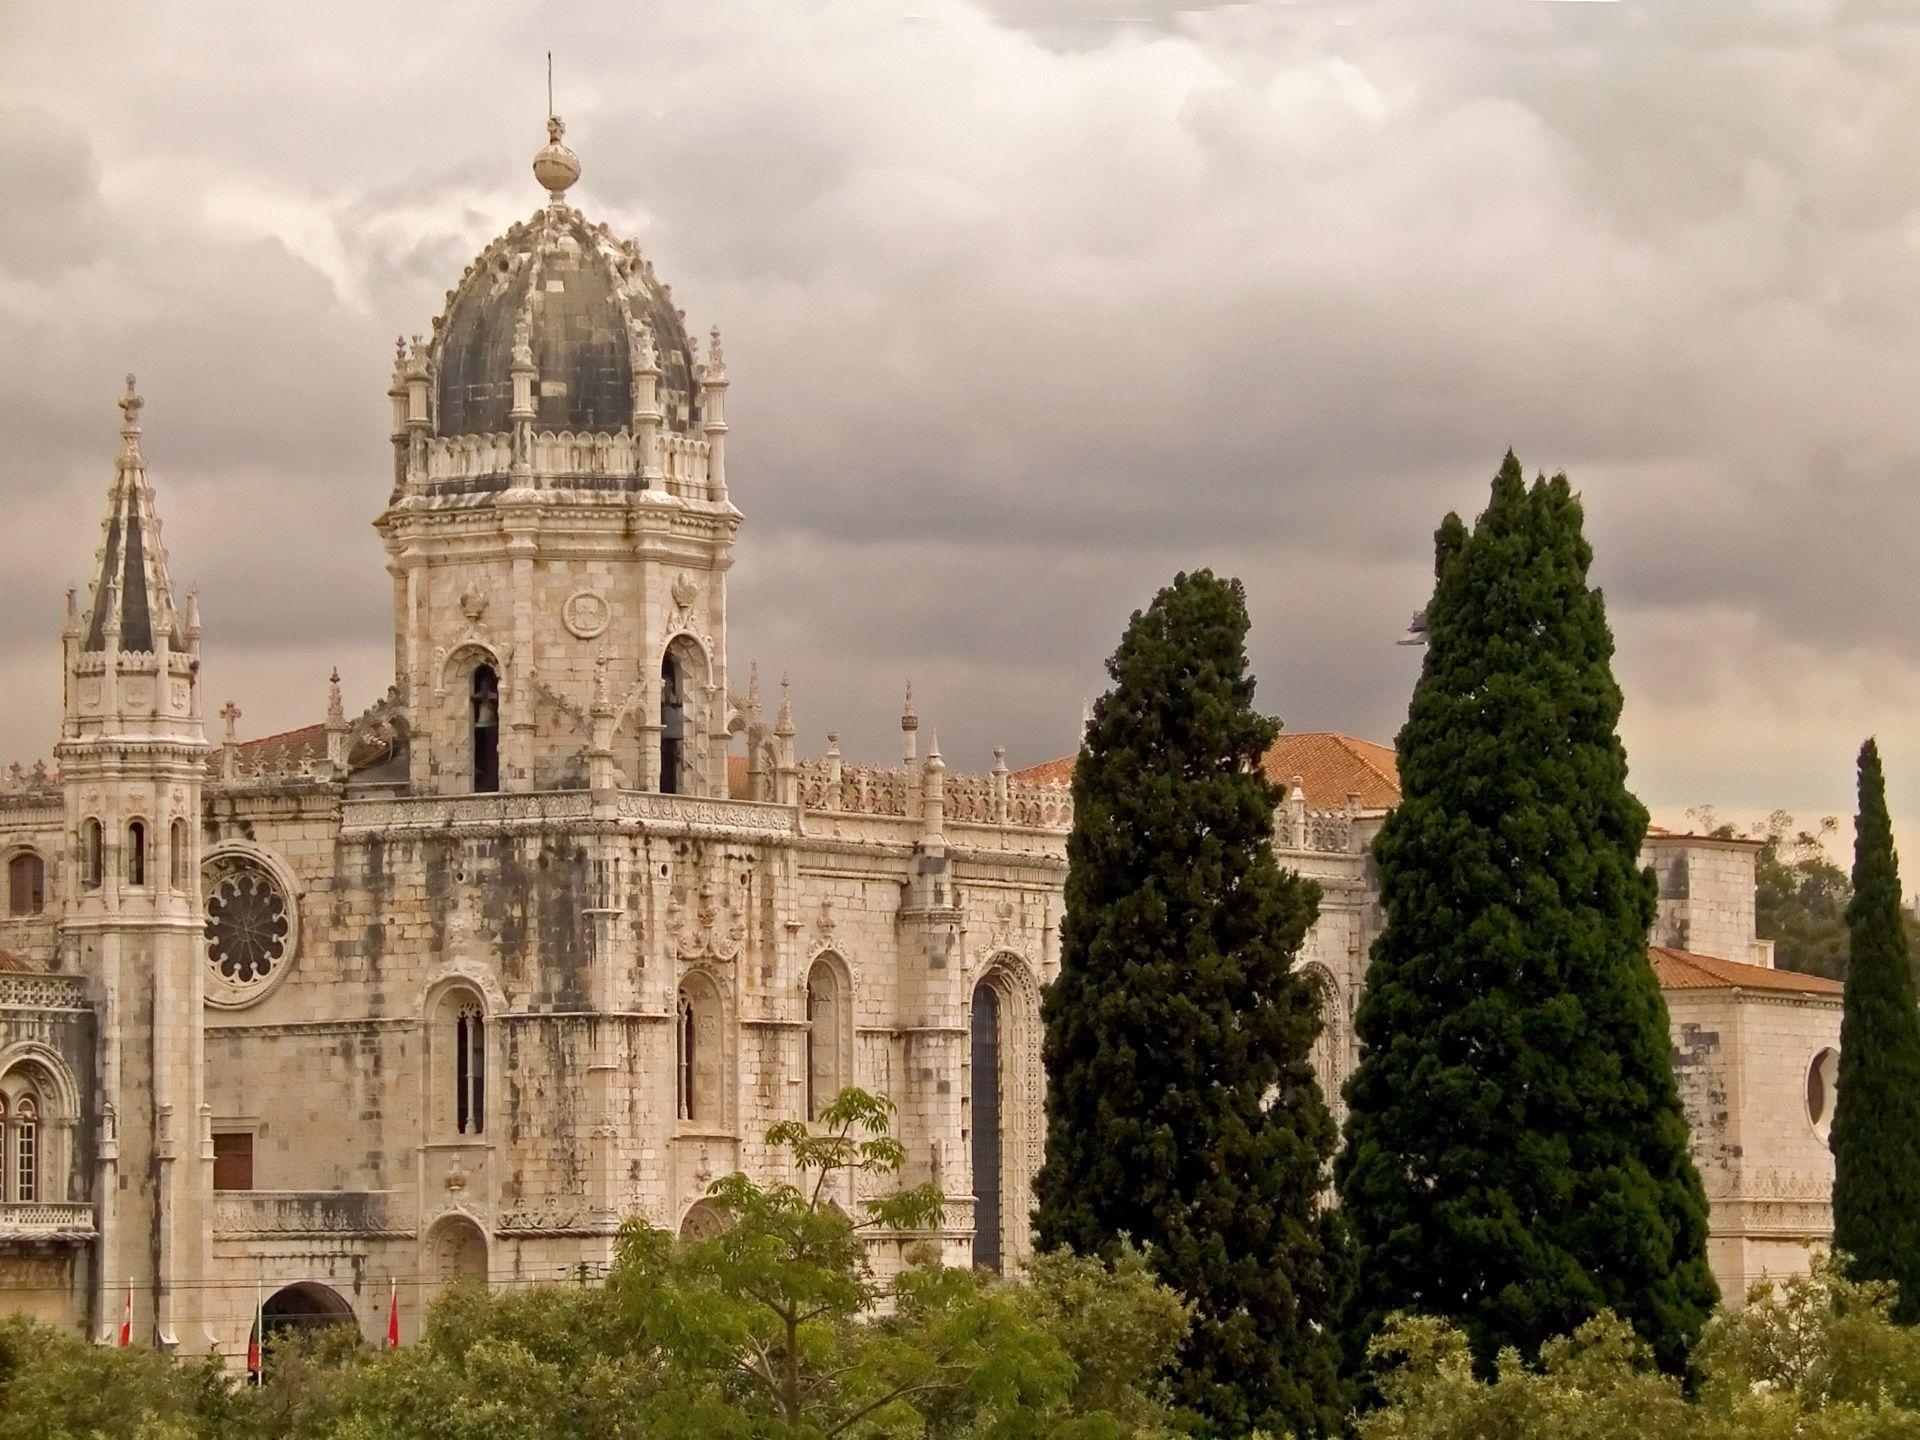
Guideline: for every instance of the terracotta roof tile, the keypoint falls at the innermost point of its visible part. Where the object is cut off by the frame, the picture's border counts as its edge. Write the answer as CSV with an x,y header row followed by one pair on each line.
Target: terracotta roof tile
x,y
1684,970
12,964
1330,765
1047,772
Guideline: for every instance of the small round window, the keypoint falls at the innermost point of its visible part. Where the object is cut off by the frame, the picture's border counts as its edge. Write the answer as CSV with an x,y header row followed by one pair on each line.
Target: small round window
x,y
1822,1077
251,926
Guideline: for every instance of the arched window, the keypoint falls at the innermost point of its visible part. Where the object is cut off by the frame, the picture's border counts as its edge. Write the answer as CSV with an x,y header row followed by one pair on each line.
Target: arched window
x,y
136,852
90,845
673,725
986,1136
470,1070
456,1063
1003,1106
33,1162
700,1054
486,729
26,884
828,1071
178,859
24,1131
1329,1055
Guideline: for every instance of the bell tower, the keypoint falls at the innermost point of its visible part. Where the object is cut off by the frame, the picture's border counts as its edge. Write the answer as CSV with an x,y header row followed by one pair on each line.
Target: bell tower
x,y
132,759
559,529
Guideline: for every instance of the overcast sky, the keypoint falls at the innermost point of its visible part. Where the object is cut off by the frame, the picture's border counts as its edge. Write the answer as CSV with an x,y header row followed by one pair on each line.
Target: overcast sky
x,y
1029,305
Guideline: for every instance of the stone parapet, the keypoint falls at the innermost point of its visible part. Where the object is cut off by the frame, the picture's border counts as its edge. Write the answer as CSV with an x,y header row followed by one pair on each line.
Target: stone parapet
x,y
277,1214
42,992
34,1220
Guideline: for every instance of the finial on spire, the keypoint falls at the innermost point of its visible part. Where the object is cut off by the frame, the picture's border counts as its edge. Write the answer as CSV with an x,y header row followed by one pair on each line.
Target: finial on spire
x,y
783,723
909,718
715,371
130,404
336,706
555,167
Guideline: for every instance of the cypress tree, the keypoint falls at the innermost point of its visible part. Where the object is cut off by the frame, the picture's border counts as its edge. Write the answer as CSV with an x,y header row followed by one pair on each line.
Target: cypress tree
x,y
1181,1106
1516,1154
1876,1117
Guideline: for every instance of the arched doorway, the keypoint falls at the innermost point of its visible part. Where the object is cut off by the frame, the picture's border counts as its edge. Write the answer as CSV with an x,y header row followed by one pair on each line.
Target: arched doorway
x,y
306,1308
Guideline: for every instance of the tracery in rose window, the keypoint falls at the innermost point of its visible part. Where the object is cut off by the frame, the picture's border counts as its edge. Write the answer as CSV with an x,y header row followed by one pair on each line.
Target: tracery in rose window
x,y
247,925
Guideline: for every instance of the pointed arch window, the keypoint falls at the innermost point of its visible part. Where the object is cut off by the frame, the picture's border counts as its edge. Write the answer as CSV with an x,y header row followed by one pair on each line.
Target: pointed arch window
x,y
26,884
827,1067
986,1132
686,1049
700,1054
90,848
136,852
486,729
673,724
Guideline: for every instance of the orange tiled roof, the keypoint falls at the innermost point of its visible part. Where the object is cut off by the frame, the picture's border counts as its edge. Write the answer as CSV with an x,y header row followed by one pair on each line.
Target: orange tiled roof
x,y
309,742
1684,970
1330,765
737,777
1047,772
12,964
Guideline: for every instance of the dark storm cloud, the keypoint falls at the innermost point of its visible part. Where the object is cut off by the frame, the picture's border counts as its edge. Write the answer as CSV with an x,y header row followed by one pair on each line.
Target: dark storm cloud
x,y
1029,307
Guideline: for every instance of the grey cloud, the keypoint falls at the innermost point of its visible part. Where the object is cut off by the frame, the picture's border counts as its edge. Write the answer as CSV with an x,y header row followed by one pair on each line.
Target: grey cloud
x,y
1027,308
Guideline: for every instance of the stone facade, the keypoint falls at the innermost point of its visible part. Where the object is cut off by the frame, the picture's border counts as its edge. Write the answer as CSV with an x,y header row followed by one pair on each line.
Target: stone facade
x,y
551,933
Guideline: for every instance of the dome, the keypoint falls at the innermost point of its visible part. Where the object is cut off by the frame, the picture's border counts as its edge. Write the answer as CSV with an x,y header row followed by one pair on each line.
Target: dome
x,y
587,300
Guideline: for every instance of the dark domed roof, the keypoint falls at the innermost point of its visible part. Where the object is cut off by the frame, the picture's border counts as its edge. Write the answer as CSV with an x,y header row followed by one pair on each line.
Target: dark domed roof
x,y
585,298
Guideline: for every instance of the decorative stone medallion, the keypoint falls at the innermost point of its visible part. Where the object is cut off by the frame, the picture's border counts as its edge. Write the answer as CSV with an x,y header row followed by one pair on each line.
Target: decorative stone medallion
x,y
252,926
586,613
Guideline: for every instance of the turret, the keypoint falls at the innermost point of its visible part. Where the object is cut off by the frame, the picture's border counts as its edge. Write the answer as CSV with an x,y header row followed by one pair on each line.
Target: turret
x,y
132,763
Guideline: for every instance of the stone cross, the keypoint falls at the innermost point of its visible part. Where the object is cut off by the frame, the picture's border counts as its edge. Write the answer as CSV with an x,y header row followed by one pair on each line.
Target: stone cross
x,y
230,714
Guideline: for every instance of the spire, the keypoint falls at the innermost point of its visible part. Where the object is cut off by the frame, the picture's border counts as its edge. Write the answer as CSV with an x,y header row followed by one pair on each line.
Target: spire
x,y
131,591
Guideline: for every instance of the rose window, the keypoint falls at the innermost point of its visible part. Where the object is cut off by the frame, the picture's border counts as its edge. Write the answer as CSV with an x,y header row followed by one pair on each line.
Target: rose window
x,y
249,928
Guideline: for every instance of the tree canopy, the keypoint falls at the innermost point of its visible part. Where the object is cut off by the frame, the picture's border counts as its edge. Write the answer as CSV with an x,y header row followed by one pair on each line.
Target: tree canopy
x,y
775,1328
1182,1109
1876,1117
1516,1155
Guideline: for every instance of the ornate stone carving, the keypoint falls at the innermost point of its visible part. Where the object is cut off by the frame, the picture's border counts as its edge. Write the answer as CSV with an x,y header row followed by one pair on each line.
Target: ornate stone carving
x,y
711,927
252,927
586,613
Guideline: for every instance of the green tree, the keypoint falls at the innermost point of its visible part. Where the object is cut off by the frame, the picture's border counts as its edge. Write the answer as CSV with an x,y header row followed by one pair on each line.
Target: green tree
x,y
1516,1156
1181,1105
1800,895
54,1386
1876,1117
775,1326
1818,1357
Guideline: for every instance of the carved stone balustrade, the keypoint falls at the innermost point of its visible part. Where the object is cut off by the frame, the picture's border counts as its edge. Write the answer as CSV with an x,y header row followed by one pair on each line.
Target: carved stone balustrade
x,y
35,1220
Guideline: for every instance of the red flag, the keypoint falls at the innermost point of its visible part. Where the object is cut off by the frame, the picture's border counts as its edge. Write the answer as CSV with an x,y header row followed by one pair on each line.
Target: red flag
x,y
393,1314
254,1337
126,1319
